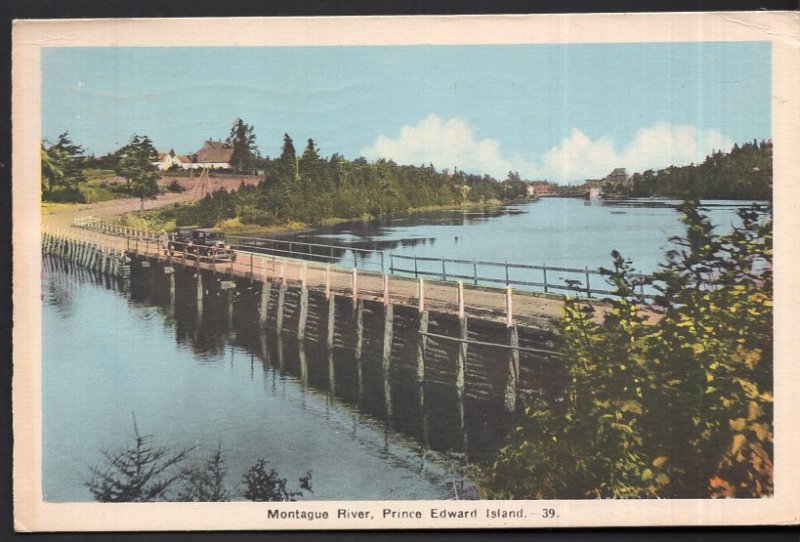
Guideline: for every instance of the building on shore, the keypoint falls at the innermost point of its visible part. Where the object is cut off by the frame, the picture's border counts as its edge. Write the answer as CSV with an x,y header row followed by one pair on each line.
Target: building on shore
x,y
212,155
538,188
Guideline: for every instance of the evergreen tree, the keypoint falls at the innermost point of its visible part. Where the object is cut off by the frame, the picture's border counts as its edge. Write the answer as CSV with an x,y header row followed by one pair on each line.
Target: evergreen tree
x,y
136,166
62,165
243,140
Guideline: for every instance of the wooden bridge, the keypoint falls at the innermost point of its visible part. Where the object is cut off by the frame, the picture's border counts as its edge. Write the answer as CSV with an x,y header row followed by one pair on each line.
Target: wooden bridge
x,y
480,314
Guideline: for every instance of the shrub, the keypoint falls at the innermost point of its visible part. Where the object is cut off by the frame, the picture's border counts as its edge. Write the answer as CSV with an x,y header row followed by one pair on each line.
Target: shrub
x,y
680,406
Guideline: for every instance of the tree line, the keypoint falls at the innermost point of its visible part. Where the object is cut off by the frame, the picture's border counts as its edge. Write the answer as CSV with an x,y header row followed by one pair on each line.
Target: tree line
x,y
305,187
308,187
744,173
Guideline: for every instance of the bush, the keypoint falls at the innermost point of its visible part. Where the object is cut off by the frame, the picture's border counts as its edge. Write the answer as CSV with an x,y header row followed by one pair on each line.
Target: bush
x,y
176,186
262,485
680,406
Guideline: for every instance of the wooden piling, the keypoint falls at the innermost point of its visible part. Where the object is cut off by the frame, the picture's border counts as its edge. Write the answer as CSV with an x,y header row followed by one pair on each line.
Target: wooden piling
x,y
281,298
460,299
355,286
263,306
512,377
385,290
199,292
462,355
388,329
301,322
331,319
422,345
327,281
509,308
421,294
359,329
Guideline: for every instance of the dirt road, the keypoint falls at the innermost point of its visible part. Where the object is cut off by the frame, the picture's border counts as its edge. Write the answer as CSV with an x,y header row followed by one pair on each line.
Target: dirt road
x,y
62,217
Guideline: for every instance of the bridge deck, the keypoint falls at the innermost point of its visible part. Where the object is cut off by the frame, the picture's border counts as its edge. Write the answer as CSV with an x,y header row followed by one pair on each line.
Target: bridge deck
x,y
527,308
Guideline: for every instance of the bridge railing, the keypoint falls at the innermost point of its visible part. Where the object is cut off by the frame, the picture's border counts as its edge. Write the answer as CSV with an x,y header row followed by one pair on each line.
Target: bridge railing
x,y
361,258
548,279
486,273
95,224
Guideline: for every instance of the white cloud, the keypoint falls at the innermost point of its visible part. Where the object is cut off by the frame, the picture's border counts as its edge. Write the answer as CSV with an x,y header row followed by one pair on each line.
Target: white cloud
x,y
453,143
445,144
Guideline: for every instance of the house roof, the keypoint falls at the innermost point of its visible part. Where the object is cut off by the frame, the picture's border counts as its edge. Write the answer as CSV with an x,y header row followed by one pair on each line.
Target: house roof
x,y
215,151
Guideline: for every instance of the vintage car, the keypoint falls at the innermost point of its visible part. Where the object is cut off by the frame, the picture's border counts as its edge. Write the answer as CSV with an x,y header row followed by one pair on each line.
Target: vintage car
x,y
202,243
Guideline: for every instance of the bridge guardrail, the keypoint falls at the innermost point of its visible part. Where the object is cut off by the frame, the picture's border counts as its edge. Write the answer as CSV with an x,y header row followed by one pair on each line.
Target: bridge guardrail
x,y
578,280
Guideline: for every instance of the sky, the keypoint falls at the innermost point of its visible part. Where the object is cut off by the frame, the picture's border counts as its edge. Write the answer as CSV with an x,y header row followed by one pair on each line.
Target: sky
x,y
561,112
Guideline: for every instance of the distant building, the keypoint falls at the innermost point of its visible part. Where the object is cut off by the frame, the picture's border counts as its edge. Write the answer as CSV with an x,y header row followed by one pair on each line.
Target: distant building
x,y
618,176
212,155
167,160
538,188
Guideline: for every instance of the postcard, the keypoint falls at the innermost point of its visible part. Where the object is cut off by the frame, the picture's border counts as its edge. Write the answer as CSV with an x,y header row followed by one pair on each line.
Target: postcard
x,y
405,272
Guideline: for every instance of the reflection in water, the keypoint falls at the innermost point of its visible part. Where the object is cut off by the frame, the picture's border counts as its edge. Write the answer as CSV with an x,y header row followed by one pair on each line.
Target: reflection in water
x,y
362,422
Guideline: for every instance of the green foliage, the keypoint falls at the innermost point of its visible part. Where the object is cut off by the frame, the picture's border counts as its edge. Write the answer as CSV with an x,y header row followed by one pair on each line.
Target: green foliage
x,y
62,170
311,188
668,397
262,485
243,140
743,173
206,482
141,472
135,164
138,473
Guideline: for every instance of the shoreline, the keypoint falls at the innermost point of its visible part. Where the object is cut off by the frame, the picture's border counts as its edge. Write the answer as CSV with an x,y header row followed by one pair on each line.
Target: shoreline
x,y
302,227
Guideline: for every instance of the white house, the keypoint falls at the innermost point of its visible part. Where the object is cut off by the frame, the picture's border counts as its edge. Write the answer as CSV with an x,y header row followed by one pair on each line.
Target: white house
x,y
212,155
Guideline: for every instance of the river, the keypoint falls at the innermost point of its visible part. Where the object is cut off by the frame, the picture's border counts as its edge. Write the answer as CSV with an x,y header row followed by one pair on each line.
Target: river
x,y
112,352
554,232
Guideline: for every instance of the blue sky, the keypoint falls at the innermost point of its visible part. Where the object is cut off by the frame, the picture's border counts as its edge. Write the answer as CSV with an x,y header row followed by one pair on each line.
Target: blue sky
x,y
562,112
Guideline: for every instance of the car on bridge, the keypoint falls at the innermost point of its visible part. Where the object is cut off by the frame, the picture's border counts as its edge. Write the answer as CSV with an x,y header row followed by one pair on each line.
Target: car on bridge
x,y
200,243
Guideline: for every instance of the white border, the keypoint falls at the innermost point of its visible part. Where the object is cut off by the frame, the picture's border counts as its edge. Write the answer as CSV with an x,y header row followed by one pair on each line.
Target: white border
x,y
29,37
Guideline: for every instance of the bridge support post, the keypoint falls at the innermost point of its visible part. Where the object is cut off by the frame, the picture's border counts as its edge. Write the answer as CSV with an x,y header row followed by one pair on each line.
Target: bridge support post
x,y
422,345
104,260
281,299
355,287
171,272
199,293
301,322
331,319
512,378
388,331
462,355
359,330
331,374
263,306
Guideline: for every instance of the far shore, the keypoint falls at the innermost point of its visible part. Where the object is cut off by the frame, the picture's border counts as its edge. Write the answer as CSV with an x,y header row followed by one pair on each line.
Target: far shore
x,y
127,211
